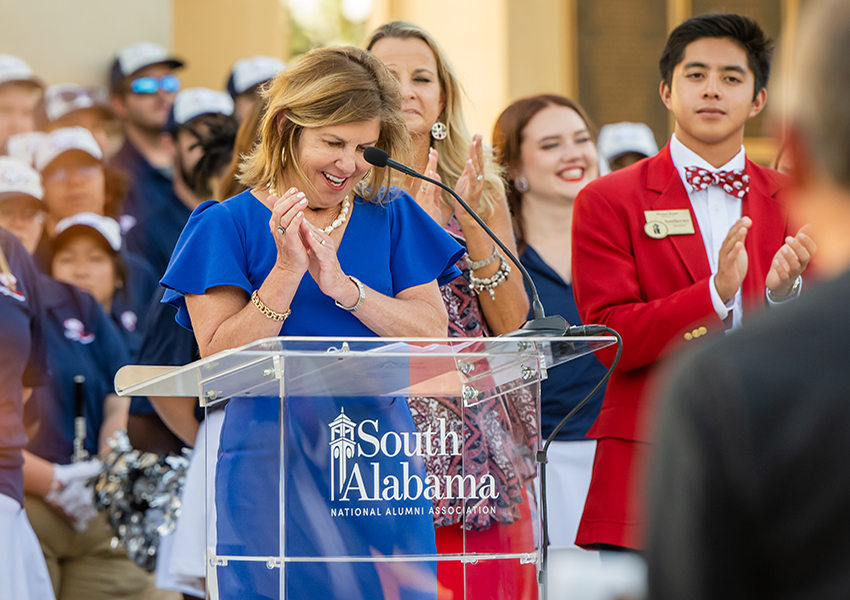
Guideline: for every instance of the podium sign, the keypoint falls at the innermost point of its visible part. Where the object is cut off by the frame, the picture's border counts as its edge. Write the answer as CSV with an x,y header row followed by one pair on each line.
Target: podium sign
x,y
372,467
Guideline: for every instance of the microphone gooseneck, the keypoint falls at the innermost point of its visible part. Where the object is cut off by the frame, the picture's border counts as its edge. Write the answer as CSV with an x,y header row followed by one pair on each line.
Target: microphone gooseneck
x,y
540,325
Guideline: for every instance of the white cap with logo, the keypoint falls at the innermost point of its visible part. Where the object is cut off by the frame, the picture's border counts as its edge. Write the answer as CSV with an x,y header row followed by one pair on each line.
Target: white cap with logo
x,y
23,146
619,138
144,54
64,140
13,68
19,179
248,72
194,102
64,98
106,227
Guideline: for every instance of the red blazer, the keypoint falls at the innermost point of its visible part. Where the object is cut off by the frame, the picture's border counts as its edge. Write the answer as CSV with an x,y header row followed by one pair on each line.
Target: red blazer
x,y
654,292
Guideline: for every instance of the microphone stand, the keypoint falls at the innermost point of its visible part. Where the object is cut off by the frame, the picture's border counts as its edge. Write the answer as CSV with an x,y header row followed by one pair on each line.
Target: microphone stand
x,y
539,326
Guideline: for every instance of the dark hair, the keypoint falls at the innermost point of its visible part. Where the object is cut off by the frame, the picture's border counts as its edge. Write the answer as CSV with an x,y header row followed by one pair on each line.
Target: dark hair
x,y
247,137
72,233
217,146
507,145
738,28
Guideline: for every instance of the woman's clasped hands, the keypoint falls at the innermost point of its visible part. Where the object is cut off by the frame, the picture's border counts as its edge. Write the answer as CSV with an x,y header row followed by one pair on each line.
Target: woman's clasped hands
x,y
302,247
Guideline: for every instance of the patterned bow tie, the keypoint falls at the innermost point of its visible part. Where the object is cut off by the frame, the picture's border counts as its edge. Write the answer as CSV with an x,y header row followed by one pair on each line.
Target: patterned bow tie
x,y
735,183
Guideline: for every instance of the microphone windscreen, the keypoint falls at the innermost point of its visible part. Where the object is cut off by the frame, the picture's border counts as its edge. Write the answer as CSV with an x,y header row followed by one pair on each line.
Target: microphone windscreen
x,y
376,156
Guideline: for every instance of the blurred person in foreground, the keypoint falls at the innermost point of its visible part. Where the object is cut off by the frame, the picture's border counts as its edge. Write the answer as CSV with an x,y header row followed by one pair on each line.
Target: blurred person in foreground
x,y
143,86
20,92
623,144
72,105
750,488
693,240
246,81
321,237
202,130
545,145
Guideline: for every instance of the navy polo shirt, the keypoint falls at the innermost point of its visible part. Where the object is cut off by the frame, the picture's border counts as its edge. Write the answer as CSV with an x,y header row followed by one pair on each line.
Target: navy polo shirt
x,y
164,343
130,302
81,340
22,358
158,213
568,384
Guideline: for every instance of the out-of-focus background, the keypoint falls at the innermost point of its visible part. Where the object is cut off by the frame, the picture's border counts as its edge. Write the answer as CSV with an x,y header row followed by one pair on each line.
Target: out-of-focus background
x,y
602,52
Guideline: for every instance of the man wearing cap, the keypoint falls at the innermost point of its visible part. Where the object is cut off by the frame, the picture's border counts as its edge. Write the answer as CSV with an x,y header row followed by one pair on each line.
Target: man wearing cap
x,y
623,144
143,87
72,105
246,80
21,207
202,130
20,91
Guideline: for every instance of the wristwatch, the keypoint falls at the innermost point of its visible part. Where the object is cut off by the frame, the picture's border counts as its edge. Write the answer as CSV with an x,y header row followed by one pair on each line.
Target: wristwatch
x,y
792,293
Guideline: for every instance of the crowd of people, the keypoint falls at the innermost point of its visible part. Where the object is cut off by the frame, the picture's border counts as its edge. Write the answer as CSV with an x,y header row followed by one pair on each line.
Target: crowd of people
x,y
232,216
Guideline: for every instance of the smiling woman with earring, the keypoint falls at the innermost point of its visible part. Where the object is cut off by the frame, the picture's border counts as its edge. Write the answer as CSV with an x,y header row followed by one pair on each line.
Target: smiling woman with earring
x,y
546,147
487,299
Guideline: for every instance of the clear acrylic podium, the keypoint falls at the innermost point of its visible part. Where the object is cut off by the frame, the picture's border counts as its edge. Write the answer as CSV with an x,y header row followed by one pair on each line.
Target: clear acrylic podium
x,y
340,458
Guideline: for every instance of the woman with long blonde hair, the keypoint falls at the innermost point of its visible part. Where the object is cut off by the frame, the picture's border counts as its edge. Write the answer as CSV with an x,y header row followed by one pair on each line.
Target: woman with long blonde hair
x,y
487,299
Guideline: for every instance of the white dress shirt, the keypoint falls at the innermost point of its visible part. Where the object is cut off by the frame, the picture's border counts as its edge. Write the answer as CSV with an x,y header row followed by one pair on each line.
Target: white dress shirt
x,y
716,212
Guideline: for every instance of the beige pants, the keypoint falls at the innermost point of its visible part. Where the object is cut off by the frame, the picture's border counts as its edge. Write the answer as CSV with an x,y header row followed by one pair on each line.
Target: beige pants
x,y
83,566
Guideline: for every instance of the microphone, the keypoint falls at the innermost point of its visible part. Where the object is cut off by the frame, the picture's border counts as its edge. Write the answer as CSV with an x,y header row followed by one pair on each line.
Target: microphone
x,y
540,325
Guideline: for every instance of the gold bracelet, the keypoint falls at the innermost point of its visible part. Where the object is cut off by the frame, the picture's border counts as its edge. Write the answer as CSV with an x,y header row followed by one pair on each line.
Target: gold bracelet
x,y
267,312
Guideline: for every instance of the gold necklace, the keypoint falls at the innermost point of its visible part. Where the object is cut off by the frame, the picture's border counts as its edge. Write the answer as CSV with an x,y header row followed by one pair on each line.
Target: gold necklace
x,y
341,218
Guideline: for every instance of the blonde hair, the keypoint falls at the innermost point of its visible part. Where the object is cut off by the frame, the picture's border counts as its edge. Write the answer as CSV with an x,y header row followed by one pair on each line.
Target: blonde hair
x,y
452,150
327,86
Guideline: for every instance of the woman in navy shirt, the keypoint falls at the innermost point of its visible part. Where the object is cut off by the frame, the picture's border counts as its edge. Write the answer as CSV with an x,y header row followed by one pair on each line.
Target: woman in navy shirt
x,y
546,148
23,573
82,340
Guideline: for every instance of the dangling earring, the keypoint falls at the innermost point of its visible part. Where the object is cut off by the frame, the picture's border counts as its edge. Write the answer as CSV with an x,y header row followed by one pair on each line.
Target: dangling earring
x,y
439,131
521,184
283,157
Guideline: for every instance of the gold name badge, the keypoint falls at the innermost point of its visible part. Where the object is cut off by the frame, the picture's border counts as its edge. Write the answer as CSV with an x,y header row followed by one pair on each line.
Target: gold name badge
x,y
661,223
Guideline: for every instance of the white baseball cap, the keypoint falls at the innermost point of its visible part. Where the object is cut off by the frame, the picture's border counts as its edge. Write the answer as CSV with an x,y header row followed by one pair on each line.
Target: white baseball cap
x,y
13,69
618,138
248,72
23,146
64,98
64,140
17,178
108,228
135,57
194,102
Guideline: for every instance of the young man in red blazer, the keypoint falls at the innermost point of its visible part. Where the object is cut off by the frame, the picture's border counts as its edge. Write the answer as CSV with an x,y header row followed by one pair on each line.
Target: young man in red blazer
x,y
689,242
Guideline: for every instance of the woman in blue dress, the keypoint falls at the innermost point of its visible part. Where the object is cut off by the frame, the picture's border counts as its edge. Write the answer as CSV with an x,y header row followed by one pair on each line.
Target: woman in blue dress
x,y
337,252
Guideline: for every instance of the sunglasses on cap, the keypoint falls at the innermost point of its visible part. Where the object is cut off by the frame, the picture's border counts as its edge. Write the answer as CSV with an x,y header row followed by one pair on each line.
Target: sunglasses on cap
x,y
98,95
151,85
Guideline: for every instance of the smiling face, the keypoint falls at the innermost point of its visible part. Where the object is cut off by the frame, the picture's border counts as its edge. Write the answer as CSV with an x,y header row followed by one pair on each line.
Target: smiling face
x,y
711,97
331,159
559,157
411,61
84,261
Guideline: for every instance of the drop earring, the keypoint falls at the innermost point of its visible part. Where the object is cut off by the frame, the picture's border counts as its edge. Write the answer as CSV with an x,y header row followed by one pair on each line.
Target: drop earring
x,y
521,184
439,131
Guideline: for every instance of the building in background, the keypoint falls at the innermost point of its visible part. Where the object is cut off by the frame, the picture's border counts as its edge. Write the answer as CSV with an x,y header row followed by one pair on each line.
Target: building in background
x,y
602,52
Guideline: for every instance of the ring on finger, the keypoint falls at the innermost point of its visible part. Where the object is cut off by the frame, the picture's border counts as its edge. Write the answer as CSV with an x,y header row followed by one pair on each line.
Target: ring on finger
x,y
322,242
281,230
421,188
479,177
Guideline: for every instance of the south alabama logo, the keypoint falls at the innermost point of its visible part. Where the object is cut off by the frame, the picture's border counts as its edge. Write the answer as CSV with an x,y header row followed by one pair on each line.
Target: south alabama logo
x,y
355,479
8,287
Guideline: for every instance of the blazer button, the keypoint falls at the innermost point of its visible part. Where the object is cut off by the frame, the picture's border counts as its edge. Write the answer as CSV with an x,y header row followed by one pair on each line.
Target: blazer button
x,y
689,336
